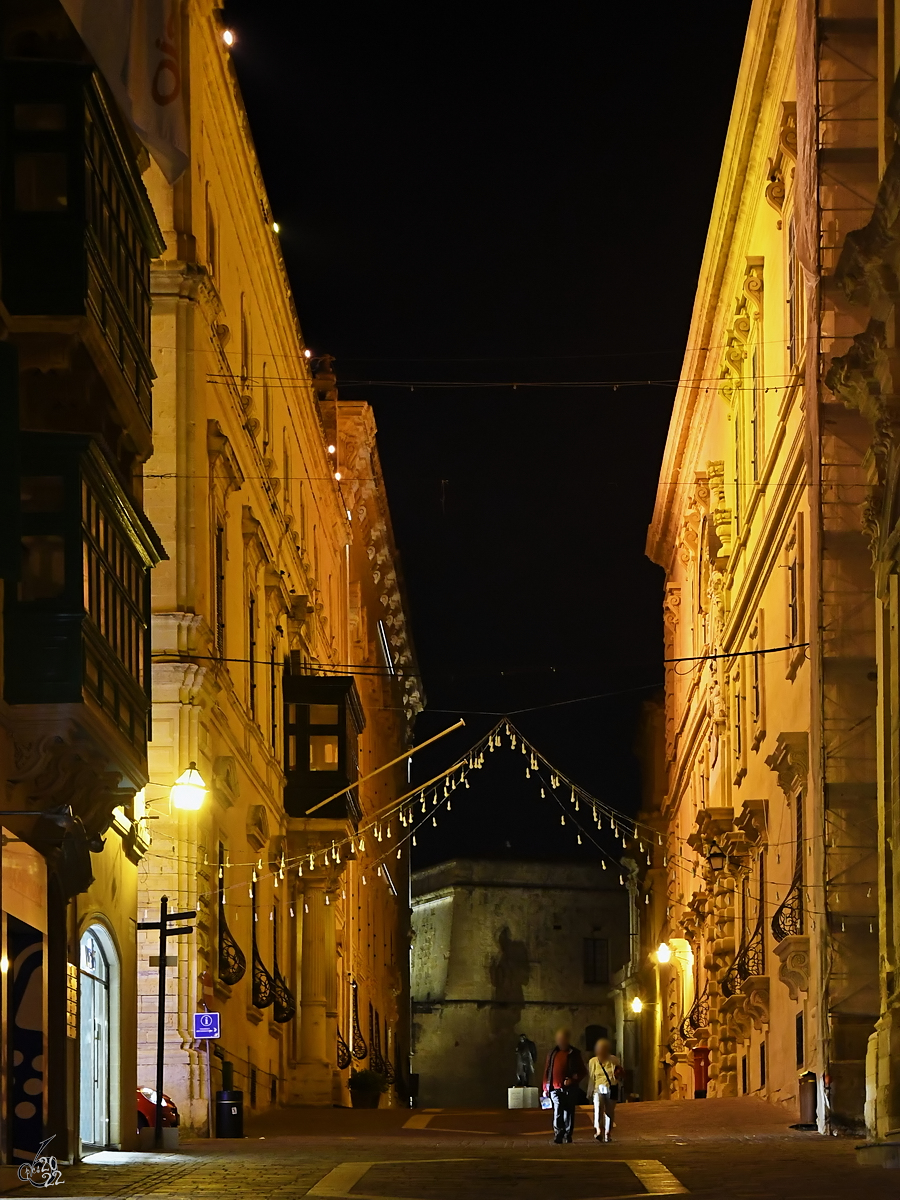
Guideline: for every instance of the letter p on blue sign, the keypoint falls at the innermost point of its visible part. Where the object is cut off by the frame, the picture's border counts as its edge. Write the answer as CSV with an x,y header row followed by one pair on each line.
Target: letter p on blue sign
x,y
206,1025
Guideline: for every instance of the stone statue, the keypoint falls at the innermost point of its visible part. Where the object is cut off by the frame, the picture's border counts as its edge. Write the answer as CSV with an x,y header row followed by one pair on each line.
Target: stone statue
x,y
526,1054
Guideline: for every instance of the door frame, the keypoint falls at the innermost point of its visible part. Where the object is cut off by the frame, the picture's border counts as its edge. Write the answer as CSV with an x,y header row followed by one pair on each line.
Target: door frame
x,y
97,928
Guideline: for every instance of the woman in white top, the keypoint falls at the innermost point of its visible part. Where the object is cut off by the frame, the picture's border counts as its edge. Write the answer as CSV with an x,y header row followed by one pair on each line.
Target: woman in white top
x,y
604,1073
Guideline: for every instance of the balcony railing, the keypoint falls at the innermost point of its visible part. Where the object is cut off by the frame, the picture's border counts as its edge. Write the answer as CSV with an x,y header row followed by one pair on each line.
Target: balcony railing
x,y
787,920
750,960
697,1018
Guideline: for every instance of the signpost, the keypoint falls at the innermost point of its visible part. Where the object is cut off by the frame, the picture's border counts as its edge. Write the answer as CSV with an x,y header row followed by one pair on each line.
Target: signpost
x,y
206,1025
164,933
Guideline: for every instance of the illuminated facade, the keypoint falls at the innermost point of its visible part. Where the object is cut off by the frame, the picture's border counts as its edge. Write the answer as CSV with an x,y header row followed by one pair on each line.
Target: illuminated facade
x,y
77,235
776,791
282,662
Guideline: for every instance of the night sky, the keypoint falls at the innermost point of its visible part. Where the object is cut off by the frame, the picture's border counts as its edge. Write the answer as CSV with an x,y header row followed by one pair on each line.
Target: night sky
x,y
490,195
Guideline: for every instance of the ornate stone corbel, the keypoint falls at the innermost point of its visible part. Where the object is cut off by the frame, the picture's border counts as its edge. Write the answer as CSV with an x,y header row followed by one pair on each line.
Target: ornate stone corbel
x,y
793,951
790,761
756,992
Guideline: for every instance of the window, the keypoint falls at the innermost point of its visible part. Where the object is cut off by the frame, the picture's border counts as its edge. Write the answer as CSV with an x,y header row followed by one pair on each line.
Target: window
x,y
796,618
756,413
792,300
762,1064
251,651
800,1041
219,592
211,247
596,960
273,699
41,181
745,1083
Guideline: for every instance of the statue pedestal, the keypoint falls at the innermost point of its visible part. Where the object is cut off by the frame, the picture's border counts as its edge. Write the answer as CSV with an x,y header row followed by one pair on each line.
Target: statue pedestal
x,y
523,1097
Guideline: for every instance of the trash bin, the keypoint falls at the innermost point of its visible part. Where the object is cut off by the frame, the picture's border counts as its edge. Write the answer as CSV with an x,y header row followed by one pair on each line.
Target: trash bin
x,y
229,1114
809,1096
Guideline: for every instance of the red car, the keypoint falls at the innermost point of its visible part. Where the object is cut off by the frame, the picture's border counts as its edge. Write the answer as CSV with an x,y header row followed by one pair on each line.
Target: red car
x,y
146,1109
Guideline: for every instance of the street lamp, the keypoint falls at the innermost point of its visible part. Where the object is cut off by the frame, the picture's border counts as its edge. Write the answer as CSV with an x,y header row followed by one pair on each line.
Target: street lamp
x,y
716,857
637,1005
663,953
188,791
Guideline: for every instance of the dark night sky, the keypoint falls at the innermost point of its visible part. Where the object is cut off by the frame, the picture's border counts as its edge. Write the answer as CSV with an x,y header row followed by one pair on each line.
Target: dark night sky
x,y
466,196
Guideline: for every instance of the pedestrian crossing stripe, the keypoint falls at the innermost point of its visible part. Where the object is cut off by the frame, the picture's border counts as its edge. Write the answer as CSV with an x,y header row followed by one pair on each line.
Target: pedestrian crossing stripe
x,y
655,1179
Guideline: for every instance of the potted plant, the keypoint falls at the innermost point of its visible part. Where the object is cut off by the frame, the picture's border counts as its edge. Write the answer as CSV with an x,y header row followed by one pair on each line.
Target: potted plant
x,y
366,1088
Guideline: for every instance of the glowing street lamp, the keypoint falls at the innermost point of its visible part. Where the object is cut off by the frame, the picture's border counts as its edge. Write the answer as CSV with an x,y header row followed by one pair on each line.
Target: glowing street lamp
x,y
716,857
663,953
637,1005
188,791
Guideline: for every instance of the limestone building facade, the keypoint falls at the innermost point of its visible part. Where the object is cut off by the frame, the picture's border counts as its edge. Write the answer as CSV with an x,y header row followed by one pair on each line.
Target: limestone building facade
x,y
283,664
775,525
502,948
77,236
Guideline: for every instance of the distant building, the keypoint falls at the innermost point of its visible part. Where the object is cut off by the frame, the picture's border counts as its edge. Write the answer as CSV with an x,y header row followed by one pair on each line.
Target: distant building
x,y
504,948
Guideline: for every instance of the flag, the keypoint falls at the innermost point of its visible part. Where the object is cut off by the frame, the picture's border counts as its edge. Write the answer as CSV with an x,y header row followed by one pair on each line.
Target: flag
x,y
137,46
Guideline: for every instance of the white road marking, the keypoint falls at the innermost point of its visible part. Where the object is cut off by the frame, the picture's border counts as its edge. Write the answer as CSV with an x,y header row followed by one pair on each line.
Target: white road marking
x,y
419,1121
337,1184
657,1179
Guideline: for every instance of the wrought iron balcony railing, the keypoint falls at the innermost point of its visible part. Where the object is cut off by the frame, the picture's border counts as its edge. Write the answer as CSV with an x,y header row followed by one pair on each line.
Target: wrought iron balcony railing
x,y
232,963
750,960
697,1018
788,918
285,1004
359,1048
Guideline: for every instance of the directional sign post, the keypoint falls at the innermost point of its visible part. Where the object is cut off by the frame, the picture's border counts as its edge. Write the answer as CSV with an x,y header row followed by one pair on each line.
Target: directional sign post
x,y
162,925
206,1025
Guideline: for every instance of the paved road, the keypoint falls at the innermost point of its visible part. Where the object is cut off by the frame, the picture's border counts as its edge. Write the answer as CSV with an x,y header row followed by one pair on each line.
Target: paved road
x,y
739,1149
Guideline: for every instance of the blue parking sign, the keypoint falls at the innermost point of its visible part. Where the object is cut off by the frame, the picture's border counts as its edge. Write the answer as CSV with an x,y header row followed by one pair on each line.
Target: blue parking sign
x,y
206,1025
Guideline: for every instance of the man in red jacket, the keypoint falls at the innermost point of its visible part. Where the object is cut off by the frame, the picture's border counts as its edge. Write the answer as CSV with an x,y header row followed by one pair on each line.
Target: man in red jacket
x,y
563,1072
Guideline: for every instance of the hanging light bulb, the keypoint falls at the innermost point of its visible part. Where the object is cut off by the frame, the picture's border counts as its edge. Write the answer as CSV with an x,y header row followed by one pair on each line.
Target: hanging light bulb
x,y
312,862
364,881
415,843
292,910
352,846
466,780
305,907
528,772
300,868
572,797
449,805
423,804
276,881
562,819
327,901
398,852
227,859
512,740
542,794
362,845
343,895
577,806
379,872
603,863
622,881
647,898
389,831
326,859
254,874
579,840
434,821
272,915
648,860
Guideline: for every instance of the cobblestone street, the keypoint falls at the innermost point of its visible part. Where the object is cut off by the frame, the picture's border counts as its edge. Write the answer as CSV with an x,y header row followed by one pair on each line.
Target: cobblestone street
x,y
734,1148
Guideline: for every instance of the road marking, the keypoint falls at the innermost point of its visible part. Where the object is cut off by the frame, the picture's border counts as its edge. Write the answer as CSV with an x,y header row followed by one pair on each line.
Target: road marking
x,y
339,1181
419,1121
656,1178
337,1184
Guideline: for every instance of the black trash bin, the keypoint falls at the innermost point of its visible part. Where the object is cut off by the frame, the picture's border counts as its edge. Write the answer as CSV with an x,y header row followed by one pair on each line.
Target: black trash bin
x,y
229,1114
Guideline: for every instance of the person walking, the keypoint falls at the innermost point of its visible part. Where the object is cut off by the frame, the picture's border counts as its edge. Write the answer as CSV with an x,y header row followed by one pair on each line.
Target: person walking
x,y
563,1072
604,1073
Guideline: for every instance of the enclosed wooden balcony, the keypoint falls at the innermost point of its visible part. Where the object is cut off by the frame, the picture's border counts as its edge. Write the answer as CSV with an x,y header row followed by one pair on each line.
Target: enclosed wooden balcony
x,y
323,719
77,232
76,622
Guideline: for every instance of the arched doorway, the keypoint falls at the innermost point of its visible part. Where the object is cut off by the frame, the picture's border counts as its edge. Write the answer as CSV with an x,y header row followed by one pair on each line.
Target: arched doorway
x,y
98,1024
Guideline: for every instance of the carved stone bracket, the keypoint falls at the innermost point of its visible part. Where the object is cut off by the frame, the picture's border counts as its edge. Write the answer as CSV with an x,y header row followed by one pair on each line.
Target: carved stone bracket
x,y
790,761
756,991
793,952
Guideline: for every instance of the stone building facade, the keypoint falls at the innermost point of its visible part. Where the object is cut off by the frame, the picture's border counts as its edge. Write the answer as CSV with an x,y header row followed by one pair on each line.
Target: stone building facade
x,y
506,948
775,524
283,665
77,236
